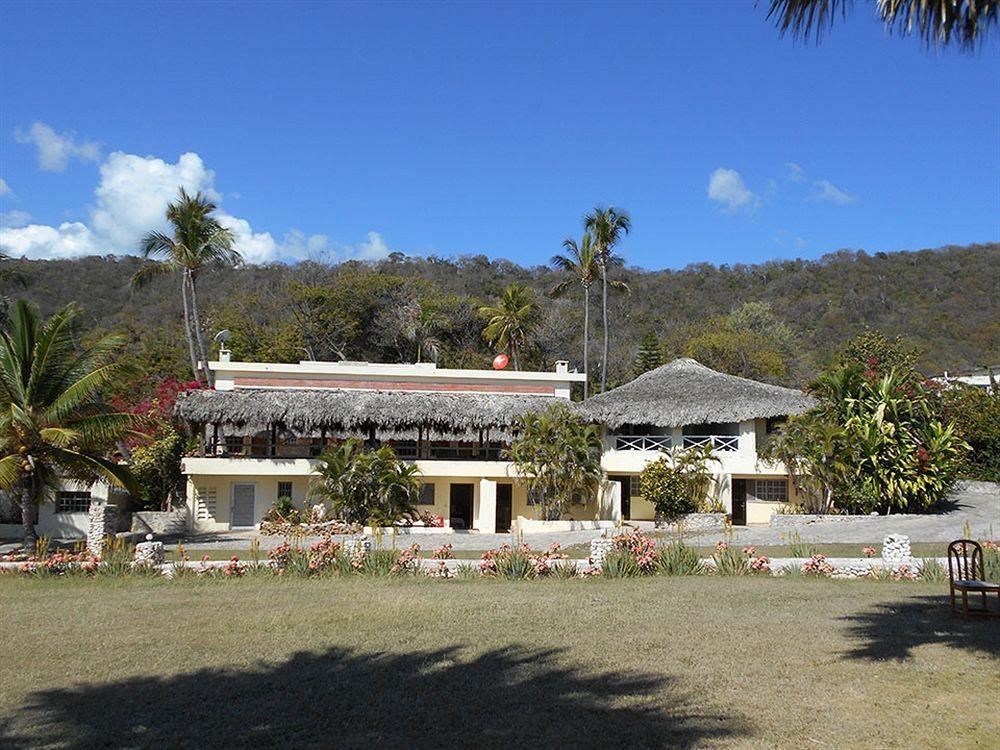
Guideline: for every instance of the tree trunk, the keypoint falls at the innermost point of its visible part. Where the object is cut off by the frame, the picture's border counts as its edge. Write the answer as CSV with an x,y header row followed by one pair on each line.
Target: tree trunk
x,y
200,332
27,517
187,327
586,341
604,300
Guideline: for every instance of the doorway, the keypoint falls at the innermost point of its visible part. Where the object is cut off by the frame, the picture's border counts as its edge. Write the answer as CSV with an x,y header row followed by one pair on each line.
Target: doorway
x,y
505,507
739,502
626,485
242,514
460,511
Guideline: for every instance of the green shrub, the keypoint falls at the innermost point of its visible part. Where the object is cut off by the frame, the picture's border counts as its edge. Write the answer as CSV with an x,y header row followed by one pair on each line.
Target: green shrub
x,y
467,571
799,548
667,489
508,563
564,570
618,563
932,571
676,559
991,561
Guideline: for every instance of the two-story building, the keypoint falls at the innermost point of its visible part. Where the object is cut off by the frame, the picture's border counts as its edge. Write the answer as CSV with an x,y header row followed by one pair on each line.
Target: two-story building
x,y
264,425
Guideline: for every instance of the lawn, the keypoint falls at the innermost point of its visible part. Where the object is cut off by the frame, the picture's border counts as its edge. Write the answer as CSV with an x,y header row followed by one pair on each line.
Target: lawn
x,y
686,662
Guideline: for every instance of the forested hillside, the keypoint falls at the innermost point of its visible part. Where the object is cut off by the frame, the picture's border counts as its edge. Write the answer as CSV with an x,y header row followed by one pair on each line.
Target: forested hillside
x,y
945,301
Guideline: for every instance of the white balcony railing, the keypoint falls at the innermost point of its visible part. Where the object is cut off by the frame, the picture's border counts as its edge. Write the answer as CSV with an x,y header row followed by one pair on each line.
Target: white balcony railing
x,y
642,442
717,442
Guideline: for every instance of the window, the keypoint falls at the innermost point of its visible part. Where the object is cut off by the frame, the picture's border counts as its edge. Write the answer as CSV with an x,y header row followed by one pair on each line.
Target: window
x,y
205,503
285,489
633,486
771,490
426,496
73,502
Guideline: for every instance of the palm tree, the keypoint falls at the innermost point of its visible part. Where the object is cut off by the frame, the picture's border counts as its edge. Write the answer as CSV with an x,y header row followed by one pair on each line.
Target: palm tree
x,y
937,22
512,321
53,423
199,241
608,225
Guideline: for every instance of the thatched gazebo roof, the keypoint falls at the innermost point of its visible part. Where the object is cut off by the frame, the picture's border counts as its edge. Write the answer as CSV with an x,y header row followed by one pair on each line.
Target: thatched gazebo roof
x,y
398,414
686,392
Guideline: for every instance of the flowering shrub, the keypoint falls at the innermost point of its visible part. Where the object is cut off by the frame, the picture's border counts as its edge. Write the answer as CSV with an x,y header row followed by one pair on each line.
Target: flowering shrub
x,y
638,546
406,561
868,551
441,571
519,562
430,520
234,568
443,553
817,566
323,555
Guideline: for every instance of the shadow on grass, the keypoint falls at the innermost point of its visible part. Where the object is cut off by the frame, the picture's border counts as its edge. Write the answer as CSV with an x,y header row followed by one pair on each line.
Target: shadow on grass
x,y
893,630
505,697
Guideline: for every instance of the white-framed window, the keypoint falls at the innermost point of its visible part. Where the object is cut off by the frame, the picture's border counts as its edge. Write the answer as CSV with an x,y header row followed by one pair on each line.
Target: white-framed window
x,y
285,489
206,503
72,502
771,490
426,495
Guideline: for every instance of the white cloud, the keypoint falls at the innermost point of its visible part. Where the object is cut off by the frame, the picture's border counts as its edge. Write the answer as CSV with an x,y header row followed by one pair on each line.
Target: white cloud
x,y
56,149
794,172
827,191
4,187
726,186
131,200
14,218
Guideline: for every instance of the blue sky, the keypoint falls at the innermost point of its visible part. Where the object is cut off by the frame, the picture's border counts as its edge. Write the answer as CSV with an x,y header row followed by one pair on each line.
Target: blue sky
x,y
351,130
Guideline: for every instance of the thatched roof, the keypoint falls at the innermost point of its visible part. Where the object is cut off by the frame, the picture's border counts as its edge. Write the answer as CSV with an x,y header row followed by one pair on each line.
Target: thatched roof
x,y
686,392
391,413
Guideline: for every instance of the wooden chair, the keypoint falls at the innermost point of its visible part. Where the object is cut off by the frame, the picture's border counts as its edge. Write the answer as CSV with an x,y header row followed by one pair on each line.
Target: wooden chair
x,y
966,574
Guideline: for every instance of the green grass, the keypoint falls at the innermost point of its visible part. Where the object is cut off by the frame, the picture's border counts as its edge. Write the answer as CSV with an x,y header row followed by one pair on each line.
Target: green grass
x,y
689,662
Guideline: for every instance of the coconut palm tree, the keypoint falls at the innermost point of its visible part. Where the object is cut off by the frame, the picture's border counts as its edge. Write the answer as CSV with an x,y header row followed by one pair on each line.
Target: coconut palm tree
x,y
512,321
199,241
608,225
53,422
937,22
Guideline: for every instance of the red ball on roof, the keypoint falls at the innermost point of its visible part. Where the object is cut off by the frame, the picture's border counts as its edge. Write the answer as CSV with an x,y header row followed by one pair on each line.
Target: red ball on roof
x,y
500,361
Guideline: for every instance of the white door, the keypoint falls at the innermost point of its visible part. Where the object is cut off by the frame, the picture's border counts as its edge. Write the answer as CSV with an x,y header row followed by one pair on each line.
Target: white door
x,y
242,514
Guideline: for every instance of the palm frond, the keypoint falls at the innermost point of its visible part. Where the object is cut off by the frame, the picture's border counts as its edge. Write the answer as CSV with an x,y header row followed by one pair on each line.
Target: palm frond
x,y
150,271
10,472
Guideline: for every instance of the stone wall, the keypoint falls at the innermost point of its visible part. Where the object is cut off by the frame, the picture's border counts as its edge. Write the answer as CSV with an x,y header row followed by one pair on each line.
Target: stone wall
x,y
159,522
101,523
703,521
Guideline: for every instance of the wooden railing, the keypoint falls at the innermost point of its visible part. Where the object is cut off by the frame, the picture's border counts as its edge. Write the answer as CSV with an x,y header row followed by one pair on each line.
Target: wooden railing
x,y
717,442
642,442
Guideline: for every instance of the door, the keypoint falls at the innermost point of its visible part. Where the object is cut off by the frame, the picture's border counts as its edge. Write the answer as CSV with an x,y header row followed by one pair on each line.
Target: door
x,y
739,502
461,506
243,509
505,507
626,485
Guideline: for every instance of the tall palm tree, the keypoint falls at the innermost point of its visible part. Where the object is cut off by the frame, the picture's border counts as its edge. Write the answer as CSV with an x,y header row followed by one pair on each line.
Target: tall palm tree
x,y
608,225
199,241
512,321
53,422
937,22
580,263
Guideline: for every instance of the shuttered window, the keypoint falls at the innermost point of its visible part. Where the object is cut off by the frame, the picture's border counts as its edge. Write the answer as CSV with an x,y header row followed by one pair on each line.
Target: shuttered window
x,y
206,503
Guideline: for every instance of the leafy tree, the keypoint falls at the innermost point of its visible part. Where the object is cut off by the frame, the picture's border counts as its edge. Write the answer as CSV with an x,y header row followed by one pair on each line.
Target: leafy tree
x,y
608,226
650,354
666,488
558,455
873,351
936,22
367,486
199,241
512,321
976,414
749,342
53,422
872,443
9,273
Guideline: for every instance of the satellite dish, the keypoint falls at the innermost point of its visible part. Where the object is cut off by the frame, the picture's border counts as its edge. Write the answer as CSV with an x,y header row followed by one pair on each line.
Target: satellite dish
x,y
222,337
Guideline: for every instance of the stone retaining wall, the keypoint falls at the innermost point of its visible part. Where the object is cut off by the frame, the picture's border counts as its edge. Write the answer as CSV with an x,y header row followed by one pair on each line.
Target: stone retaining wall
x,y
159,522
983,488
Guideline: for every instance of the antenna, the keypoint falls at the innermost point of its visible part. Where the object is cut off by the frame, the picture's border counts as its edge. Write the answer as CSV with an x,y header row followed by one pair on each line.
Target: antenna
x,y
222,337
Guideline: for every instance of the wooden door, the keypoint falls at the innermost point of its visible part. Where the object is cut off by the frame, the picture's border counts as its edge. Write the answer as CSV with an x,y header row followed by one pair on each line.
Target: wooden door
x,y
739,502
626,485
460,511
505,507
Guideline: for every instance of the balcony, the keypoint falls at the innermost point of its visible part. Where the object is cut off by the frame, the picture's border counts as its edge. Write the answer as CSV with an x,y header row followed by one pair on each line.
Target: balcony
x,y
642,442
715,442
262,447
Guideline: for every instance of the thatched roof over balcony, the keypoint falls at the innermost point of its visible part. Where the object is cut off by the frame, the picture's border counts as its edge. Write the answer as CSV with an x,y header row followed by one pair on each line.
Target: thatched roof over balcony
x,y
686,392
397,414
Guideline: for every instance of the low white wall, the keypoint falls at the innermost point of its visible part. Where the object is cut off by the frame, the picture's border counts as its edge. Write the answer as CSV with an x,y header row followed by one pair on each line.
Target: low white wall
x,y
531,526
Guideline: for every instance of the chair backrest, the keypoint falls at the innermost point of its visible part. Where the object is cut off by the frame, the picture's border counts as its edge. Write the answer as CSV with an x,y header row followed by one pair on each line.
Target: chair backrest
x,y
965,561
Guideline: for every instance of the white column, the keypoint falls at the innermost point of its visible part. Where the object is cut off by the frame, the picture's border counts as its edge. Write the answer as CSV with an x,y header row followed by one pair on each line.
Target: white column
x,y
748,440
611,502
486,517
